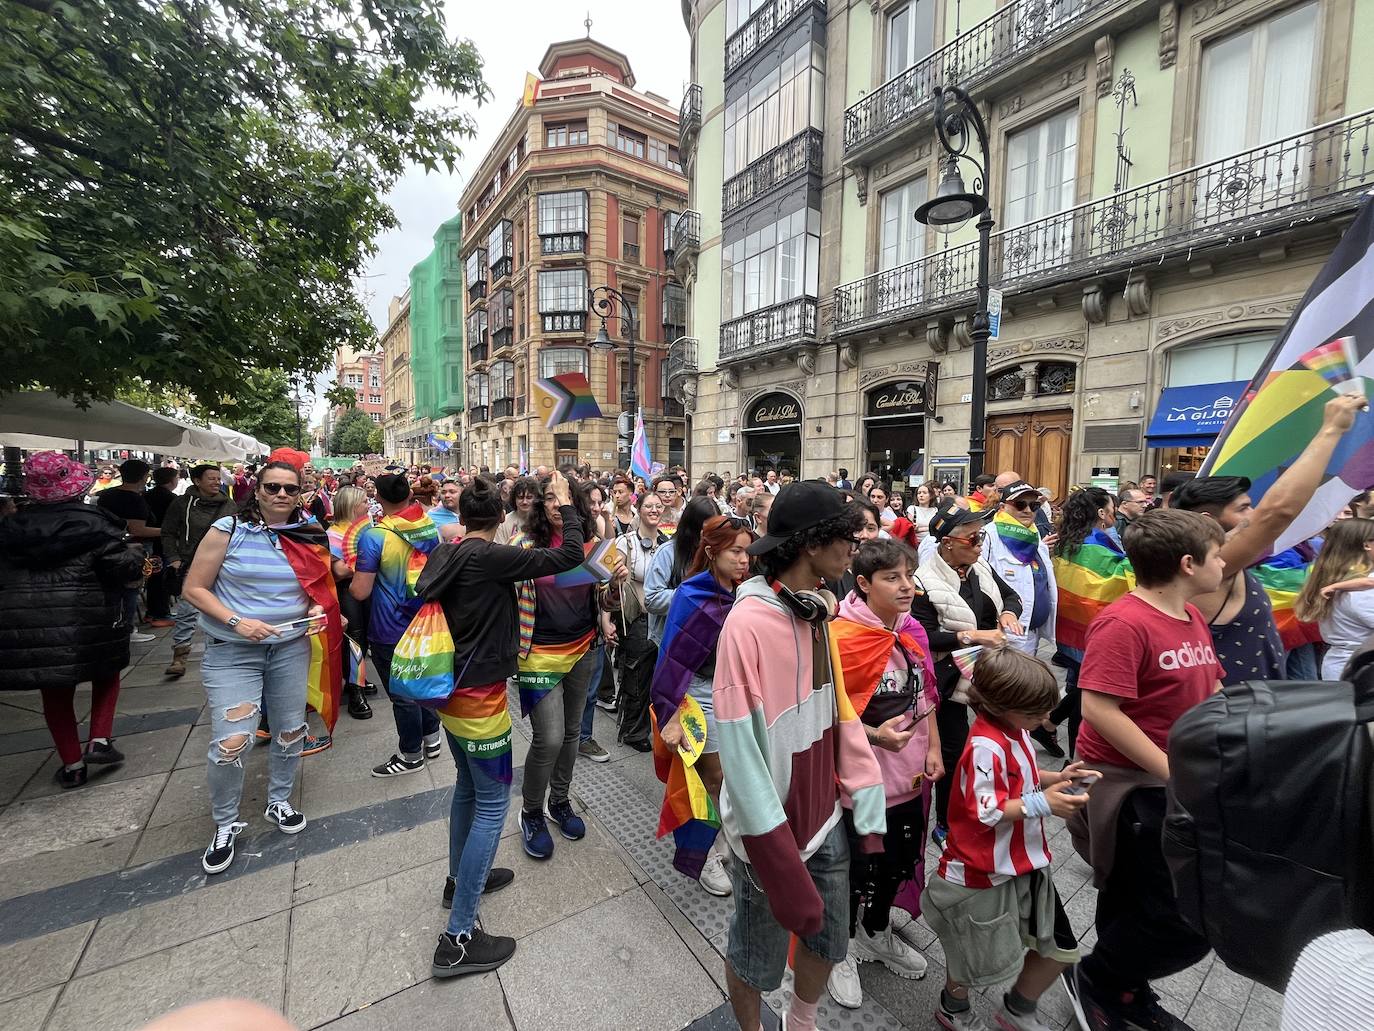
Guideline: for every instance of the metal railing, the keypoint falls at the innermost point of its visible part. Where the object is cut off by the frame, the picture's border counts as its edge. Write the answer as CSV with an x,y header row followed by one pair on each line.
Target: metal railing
x,y
399,408
687,233
477,351
1308,174
992,44
799,155
762,26
770,329
501,268
682,362
564,321
503,408
477,413
629,252
563,243
689,117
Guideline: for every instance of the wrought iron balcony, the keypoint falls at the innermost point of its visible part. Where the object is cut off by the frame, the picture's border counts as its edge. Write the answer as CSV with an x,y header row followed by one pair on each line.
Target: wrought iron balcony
x,y
554,244
503,408
682,363
630,252
768,330
501,268
1311,174
477,289
563,322
881,120
801,155
399,408
763,26
477,413
689,119
477,350
686,242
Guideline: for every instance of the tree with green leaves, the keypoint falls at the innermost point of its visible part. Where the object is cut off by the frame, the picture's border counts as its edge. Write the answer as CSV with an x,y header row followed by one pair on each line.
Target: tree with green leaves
x,y
188,188
376,441
352,434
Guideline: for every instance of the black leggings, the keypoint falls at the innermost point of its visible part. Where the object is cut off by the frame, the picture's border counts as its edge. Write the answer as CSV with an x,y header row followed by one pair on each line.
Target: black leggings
x,y
357,613
952,719
876,878
637,656
1070,707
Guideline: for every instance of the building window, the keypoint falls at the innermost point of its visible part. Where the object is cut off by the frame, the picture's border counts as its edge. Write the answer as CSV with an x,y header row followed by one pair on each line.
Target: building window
x,y
771,265
571,134
665,154
629,237
355,379
1228,360
781,105
554,361
479,389
455,312
563,290
626,140
562,212
737,12
910,35
674,311
477,267
1257,84
903,238
375,399
622,375
375,416
1042,169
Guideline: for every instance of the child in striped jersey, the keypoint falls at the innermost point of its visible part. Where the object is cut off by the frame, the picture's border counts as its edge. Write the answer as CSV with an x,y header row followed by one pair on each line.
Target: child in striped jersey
x,y
993,901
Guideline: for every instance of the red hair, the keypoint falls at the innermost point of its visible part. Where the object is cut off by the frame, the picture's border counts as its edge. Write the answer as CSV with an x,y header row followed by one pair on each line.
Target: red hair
x,y
718,533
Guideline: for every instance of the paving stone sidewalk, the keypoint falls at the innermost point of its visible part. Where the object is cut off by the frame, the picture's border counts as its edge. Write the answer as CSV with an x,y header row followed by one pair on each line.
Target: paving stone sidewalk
x,y
107,920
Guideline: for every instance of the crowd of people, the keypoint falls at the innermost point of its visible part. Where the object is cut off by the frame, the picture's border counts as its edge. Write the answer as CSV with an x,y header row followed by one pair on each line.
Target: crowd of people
x,y
828,674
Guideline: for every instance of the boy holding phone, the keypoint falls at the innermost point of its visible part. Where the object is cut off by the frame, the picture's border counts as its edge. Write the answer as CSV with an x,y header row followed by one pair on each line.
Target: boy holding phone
x,y
1148,659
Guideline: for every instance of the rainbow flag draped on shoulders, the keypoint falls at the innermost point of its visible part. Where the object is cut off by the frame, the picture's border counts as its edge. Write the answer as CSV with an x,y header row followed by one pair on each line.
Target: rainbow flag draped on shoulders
x,y
1282,577
417,529
1023,542
864,653
349,537
1089,580
545,667
1326,349
306,547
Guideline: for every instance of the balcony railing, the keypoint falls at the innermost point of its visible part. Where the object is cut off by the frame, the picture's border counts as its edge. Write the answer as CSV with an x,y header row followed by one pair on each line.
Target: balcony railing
x,y
501,268
501,338
1312,173
630,252
477,289
799,155
991,45
477,413
689,118
682,362
477,351
771,329
763,26
399,408
553,244
686,233
564,321
503,408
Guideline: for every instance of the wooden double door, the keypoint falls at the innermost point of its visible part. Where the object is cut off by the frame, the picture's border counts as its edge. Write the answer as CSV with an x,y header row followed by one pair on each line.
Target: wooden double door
x,y
1034,444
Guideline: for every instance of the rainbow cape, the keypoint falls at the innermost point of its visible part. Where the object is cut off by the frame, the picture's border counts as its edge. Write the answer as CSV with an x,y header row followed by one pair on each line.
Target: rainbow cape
x,y
693,627
1023,542
306,547
416,528
349,537
1282,577
479,718
864,654
545,666
1089,580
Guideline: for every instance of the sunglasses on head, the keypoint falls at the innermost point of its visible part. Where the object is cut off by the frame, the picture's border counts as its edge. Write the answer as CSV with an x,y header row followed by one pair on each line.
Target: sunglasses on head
x,y
290,489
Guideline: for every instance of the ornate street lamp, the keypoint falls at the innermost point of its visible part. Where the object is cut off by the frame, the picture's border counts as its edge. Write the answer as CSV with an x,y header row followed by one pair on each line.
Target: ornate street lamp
x,y
958,124
607,302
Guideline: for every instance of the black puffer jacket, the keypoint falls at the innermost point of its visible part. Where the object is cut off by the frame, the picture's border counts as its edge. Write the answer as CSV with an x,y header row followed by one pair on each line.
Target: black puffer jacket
x,y
61,571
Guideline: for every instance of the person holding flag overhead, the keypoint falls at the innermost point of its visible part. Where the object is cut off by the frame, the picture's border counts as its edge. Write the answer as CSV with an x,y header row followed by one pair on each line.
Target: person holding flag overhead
x,y
263,581
1015,550
390,558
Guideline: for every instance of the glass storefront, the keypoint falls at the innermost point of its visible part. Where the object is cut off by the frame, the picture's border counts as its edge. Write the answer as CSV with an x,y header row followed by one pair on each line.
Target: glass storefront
x,y
895,431
773,435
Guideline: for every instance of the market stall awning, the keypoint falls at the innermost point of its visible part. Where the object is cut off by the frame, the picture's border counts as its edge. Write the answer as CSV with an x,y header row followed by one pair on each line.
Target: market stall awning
x,y
37,419
1193,416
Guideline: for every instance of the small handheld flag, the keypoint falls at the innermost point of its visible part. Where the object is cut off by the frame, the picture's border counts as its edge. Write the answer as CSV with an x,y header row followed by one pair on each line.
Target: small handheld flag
x,y
641,461
693,721
565,398
598,567
1334,362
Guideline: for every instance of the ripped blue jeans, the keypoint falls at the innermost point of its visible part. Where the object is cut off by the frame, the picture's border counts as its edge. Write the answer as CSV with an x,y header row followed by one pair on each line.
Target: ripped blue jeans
x,y
241,680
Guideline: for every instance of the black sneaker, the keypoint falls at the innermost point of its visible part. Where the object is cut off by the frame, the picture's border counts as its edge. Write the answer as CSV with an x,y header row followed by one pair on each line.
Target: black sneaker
x,y
221,851
1049,741
284,815
397,766
69,779
103,753
472,953
1132,1011
497,878
434,748
369,688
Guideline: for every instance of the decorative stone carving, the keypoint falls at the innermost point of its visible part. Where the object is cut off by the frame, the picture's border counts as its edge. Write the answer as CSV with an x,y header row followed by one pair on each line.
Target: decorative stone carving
x,y
1168,33
1284,307
1105,49
1209,8
1138,294
1171,328
849,355
806,361
861,184
915,370
729,378
1094,304
689,394
1030,372
963,335
1010,106
937,335
1074,343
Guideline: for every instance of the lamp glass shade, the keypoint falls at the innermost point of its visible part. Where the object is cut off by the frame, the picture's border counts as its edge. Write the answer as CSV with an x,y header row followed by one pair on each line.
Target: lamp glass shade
x,y
953,205
601,339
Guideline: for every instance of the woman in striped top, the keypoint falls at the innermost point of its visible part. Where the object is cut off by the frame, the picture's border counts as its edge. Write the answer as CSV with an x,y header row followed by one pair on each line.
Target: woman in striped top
x,y
256,617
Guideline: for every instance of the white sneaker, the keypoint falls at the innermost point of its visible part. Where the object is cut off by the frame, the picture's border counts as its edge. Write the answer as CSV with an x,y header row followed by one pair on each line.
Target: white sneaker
x,y
889,950
141,638
843,983
903,925
714,877
1009,1021
968,1020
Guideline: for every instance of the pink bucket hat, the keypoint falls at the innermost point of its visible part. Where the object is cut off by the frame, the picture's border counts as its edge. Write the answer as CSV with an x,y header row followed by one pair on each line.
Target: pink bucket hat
x,y
51,476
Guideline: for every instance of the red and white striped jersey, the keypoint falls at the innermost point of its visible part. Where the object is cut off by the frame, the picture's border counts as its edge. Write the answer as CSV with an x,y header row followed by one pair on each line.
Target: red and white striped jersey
x,y
984,849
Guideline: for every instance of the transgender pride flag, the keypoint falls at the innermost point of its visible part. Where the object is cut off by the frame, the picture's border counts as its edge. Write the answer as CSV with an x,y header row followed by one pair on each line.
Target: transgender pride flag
x,y
641,462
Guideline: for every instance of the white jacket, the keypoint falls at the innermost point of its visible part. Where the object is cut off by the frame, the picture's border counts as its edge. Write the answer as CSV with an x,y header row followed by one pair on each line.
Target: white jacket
x,y
1020,578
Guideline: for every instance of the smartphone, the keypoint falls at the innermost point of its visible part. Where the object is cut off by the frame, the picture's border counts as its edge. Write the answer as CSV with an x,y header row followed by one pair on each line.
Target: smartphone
x,y
1080,785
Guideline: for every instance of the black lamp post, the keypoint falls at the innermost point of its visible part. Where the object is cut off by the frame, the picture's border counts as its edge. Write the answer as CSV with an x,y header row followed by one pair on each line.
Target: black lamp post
x,y
607,301
958,123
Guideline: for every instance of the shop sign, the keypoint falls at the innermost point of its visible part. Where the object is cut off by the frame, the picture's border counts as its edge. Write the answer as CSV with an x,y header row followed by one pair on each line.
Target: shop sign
x,y
774,410
905,397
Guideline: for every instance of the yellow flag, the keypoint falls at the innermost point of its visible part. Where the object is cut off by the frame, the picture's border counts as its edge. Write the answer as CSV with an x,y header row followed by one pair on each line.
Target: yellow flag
x,y
531,90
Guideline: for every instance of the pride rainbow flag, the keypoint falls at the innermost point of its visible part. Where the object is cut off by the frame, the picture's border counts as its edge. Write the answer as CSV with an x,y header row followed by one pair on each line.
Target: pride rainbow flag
x,y
545,666
479,718
349,538
598,567
1282,577
417,529
1023,542
306,547
565,398
1089,580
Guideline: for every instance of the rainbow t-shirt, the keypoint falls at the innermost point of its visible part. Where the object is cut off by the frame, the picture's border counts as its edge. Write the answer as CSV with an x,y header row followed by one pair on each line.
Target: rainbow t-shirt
x,y
386,553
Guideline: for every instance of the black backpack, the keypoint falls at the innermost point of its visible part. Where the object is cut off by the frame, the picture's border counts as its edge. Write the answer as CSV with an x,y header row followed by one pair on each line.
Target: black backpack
x,y
1268,828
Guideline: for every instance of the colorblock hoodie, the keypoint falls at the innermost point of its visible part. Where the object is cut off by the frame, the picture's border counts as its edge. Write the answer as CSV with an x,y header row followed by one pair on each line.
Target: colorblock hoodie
x,y
789,741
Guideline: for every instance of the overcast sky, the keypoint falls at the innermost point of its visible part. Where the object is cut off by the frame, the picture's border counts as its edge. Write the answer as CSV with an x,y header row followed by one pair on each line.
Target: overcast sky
x,y
512,36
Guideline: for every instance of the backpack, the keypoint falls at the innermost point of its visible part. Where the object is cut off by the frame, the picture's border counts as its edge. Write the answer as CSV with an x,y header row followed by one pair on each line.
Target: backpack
x,y
1268,828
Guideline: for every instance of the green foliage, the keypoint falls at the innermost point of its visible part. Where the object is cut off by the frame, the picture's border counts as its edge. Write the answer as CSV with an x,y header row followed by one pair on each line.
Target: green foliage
x,y
259,403
376,441
189,188
352,434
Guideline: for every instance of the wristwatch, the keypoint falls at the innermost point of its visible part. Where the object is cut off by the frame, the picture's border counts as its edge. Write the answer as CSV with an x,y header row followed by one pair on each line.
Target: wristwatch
x,y
963,636
233,621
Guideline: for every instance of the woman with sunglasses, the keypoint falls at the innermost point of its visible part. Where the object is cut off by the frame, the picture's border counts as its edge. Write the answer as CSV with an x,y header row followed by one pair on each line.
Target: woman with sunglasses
x,y
1014,548
890,678
637,654
256,615
687,661
960,602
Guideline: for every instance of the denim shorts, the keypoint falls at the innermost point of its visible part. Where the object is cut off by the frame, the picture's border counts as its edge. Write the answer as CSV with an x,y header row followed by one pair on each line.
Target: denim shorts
x,y
700,688
758,943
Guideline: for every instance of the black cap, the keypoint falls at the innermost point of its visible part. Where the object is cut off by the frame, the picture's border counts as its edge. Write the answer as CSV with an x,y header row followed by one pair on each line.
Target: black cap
x,y
799,506
947,518
1014,490
393,487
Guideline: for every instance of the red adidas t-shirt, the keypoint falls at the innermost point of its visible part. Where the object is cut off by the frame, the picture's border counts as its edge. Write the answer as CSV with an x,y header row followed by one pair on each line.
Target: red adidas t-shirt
x,y
1160,667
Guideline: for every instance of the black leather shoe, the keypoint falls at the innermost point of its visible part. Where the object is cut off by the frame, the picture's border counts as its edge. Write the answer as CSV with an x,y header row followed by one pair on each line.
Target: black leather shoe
x,y
1048,740
357,703
71,778
103,753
